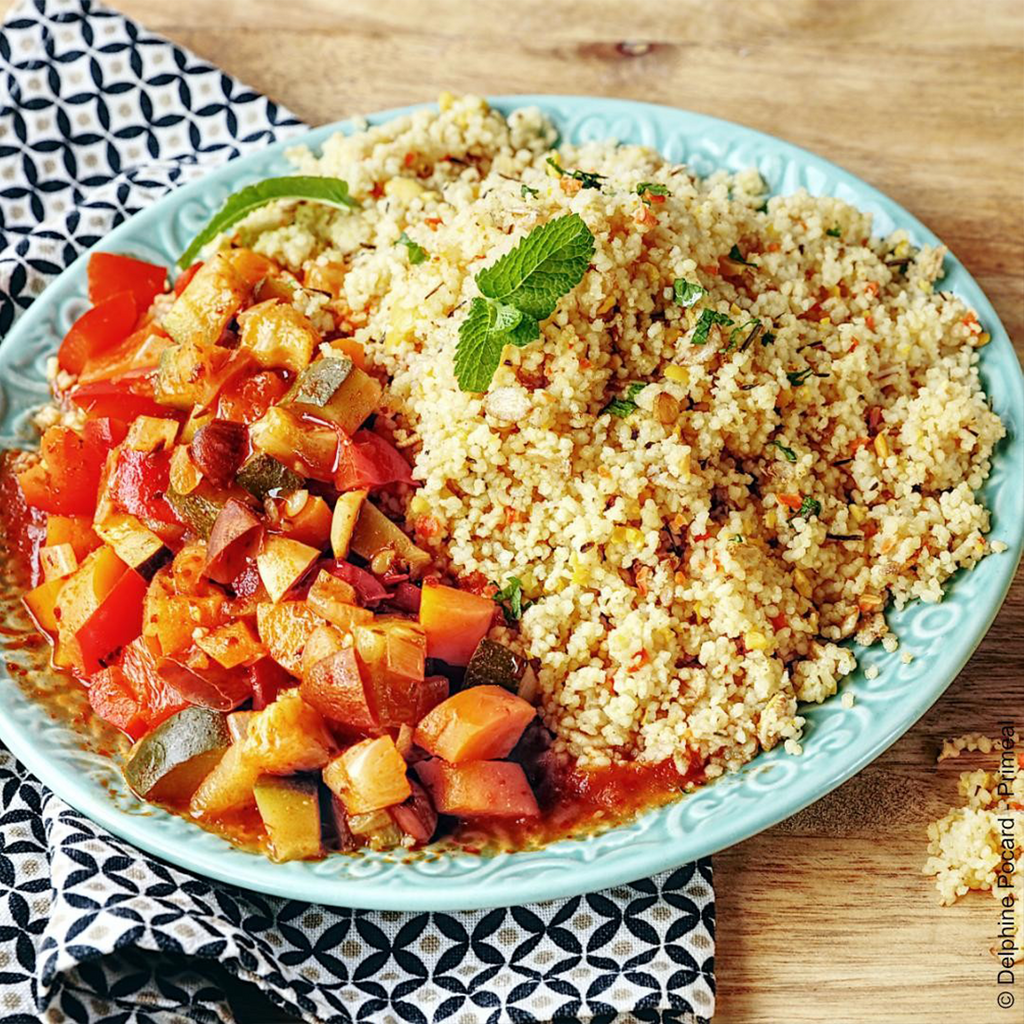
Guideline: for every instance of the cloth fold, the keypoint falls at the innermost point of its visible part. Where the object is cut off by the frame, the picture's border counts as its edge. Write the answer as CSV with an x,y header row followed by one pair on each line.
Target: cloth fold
x,y
98,119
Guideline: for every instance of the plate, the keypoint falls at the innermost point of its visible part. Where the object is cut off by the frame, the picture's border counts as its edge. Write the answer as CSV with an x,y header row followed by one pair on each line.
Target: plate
x,y
775,785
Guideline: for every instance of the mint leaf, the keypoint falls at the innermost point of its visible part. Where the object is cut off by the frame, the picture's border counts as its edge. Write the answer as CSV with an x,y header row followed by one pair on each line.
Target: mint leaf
x,y
527,192
586,178
625,405
417,254
329,191
686,293
788,452
506,317
479,349
708,317
652,188
737,257
510,598
809,507
834,232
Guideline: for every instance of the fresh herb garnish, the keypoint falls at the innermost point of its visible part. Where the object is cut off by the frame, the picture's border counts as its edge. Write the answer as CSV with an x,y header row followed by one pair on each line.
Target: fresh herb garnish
x,y
510,598
417,254
737,332
586,178
809,507
736,538
798,377
737,257
624,405
768,338
329,191
518,291
646,189
686,293
834,232
707,318
526,192
788,452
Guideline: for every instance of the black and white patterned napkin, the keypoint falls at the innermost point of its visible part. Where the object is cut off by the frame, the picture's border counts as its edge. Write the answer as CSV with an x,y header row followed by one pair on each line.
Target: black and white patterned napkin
x,y
98,118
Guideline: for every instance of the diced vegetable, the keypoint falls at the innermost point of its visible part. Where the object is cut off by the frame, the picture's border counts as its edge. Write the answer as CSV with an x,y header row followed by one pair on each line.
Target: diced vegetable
x,y
455,621
136,545
322,643
67,478
126,396
110,273
198,509
203,682
367,586
369,776
228,787
112,699
169,618
238,724
232,645
211,299
494,664
218,449
278,335
334,686
41,602
156,697
263,476
234,538
247,396
74,530
343,523
311,524
168,764
290,809
377,829
135,357
190,375
150,433
335,600
284,628
375,534
480,724
266,680
392,653
367,461
416,817
57,561
140,482
479,789
96,331
282,562
184,474
332,389
288,736
307,449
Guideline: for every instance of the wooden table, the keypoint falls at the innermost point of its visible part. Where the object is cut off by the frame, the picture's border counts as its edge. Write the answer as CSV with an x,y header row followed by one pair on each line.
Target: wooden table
x,y
826,917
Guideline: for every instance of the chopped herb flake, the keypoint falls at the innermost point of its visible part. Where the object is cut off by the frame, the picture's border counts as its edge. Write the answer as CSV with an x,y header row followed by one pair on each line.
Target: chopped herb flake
x,y
510,598
768,338
708,317
736,538
834,232
809,507
624,405
798,377
788,452
738,332
526,192
417,254
737,257
653,188
686,293
586,178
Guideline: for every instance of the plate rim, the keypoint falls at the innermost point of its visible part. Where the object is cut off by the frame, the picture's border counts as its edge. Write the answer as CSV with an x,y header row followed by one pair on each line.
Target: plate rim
x,y
256,873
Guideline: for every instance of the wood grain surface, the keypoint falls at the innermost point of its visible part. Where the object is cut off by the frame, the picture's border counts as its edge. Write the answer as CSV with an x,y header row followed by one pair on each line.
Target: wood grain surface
x,y
826,917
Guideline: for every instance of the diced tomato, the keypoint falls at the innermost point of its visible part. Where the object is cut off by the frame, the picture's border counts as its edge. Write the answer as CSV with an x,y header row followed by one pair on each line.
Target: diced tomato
x,y
67,478
454,621
116,622
112,698
128,396
267,679
478,724
139,483
156,698
139,353
185,276
247,396
479,789
367,585
110,273
97,330
367,461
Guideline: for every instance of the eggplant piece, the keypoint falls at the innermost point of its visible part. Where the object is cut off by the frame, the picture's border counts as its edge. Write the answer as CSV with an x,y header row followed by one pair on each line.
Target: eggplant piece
x,y
374,533
263,476
168,764
494,664
233,539
417,817
290,809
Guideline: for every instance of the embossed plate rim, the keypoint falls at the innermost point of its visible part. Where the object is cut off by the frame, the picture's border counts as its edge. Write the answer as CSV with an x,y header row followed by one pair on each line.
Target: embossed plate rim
x,y
773,787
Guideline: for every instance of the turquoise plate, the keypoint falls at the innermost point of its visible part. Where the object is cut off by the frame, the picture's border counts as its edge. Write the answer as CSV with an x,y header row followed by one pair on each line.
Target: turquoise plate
x,y
838,742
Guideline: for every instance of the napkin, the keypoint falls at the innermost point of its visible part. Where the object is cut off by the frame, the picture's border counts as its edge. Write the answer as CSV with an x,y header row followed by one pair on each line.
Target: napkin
x,y
98,119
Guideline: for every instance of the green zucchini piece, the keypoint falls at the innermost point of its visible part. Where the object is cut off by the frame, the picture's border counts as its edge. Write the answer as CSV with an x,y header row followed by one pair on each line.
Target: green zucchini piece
x,y
494,664
168,764
197,510
263,474
290,809
375,533
319,381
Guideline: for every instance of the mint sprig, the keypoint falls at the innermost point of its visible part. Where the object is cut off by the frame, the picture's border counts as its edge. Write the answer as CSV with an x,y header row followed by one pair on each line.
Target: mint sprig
x,y
625,405
686,293
518,291
329,191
